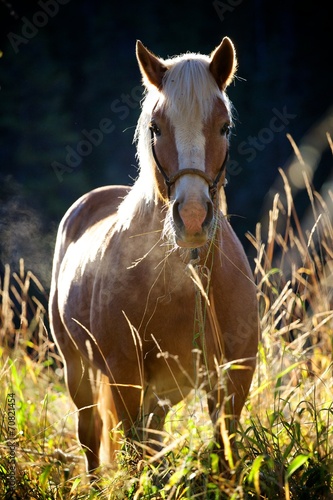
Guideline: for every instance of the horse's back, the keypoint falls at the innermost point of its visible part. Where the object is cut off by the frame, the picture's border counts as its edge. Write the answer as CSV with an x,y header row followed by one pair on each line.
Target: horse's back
x,y
92,212
89,210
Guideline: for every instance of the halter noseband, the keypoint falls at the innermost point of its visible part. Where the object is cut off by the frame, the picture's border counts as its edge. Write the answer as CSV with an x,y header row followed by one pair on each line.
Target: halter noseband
x,y
170,181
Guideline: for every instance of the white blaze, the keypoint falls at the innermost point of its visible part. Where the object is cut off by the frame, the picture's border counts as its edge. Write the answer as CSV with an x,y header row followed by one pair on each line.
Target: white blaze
x,y
190,144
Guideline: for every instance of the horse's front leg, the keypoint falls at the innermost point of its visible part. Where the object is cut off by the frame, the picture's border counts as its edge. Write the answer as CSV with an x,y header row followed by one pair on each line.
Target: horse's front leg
x,y
80,384
141,416
225,404
142,420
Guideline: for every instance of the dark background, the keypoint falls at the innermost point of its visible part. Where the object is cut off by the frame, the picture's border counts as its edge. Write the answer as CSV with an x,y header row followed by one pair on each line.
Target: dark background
x,y
64,71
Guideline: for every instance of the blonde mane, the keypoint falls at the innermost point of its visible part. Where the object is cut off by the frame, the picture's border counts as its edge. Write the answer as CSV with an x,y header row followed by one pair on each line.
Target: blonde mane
x,y
189,90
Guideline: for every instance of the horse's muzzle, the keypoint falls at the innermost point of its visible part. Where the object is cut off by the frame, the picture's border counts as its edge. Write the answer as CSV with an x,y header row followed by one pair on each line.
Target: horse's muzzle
x,y
192,222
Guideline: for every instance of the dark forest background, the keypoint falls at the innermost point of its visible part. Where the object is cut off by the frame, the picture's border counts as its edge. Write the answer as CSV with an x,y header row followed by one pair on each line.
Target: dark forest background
x,y
66,66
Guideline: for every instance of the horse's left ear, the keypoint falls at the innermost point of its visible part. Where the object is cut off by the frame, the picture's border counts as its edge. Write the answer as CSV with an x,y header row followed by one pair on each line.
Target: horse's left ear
x,y
151,67
223,63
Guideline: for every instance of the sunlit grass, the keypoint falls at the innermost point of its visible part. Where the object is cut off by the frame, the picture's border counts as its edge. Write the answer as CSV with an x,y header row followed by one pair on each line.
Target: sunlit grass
x,y
285,436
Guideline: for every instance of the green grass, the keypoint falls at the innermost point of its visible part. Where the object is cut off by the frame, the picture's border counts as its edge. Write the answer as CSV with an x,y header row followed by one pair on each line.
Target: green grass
x,y
285,437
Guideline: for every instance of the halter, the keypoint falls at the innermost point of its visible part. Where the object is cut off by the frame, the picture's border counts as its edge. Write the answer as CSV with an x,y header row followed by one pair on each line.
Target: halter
x,y
170,181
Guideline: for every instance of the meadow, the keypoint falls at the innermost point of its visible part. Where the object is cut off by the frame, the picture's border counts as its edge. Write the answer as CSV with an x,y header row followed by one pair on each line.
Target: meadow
x,y
285,436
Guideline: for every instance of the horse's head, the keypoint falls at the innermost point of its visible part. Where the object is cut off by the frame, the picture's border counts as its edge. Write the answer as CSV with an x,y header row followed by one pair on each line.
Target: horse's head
x,y
188,119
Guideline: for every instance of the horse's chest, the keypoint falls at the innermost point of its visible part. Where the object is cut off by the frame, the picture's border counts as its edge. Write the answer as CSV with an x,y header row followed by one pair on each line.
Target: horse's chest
x,y
157,301
142,285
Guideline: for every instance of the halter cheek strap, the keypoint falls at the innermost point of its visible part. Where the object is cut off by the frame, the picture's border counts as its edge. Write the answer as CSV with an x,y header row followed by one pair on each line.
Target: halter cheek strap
x,y
170,181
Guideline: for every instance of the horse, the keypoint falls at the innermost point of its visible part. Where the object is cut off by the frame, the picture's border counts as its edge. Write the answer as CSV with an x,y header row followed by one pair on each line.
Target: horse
x,y
152,294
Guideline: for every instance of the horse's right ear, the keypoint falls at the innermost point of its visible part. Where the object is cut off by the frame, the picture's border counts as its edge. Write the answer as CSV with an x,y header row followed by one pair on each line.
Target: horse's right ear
x,y
152,69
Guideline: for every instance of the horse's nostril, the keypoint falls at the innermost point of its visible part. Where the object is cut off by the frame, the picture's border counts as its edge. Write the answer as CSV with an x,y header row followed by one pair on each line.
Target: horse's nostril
x,y
176,215
209,216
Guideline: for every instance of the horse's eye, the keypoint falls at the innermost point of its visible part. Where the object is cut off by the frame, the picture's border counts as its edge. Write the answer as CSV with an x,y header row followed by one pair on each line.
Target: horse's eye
x,y
154,128
225,130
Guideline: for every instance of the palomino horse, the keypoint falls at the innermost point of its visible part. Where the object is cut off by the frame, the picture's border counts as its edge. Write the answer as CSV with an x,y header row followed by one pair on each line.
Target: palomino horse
x,y
145,278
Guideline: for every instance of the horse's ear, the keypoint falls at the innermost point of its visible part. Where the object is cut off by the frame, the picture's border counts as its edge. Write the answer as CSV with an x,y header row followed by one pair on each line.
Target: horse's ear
x,y
152,69
223,63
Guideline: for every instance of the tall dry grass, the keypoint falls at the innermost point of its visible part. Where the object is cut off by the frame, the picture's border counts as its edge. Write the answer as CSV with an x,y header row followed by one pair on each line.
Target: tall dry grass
x,y
285,437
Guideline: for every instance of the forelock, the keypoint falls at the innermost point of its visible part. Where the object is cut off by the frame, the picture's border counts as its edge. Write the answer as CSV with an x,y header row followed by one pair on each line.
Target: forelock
x,y
189,88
